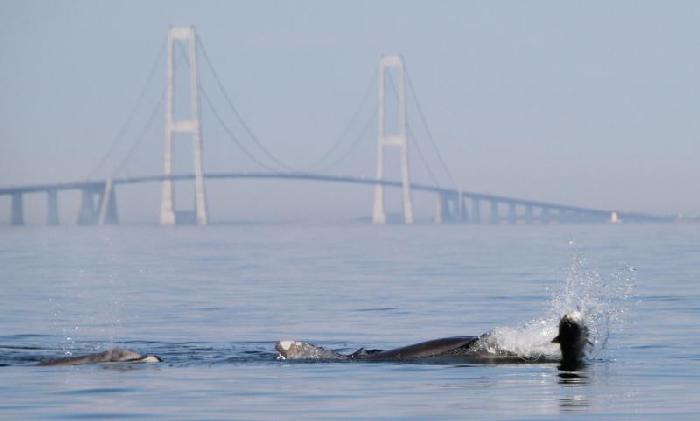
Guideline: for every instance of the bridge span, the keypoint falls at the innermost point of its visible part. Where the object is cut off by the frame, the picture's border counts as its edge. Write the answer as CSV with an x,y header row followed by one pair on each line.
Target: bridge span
x,y
99,200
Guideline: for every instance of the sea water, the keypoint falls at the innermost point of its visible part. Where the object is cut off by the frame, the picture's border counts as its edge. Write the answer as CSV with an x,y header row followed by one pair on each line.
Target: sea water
x,y
212,301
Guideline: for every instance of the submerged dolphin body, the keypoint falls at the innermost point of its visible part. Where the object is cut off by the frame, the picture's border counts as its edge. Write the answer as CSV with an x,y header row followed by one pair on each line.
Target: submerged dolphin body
x,y
113,355
443,347
572,339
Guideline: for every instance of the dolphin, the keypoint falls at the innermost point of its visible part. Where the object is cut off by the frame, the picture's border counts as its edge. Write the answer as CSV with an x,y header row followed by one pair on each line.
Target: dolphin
x,y
442,347
572,340
113,355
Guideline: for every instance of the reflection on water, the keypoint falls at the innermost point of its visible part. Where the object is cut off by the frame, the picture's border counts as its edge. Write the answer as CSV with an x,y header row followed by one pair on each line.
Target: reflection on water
x,y
212,301
572,377
574,403
574,390
573,383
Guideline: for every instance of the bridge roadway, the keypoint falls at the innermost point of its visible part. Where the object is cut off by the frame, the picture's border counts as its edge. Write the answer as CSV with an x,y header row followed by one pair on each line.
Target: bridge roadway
x,y
99,186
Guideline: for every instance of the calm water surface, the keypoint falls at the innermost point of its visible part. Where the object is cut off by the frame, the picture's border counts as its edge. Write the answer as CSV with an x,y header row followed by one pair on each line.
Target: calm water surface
x,y
212,301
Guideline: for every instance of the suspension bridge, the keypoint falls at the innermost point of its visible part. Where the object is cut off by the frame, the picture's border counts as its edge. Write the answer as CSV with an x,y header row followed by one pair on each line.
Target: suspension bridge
x,y
98,203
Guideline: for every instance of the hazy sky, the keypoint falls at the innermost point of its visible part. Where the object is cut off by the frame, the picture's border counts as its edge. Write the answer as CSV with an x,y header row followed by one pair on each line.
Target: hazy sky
x,y
588,103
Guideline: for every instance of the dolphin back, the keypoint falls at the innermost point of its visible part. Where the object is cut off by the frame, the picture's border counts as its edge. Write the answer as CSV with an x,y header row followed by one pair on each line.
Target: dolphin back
x,y
112,355
434,348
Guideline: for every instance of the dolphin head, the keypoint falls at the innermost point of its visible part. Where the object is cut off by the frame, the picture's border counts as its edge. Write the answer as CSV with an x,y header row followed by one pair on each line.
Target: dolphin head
x,y
304,350
128,355
150,359
291,349
572,340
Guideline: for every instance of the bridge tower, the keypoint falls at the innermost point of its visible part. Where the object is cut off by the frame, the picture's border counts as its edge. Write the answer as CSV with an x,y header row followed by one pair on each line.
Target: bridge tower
x,y
398,138
191,125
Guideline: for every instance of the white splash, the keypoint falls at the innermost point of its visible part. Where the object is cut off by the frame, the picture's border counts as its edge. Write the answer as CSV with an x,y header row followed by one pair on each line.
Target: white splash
x,y
285,345
601,302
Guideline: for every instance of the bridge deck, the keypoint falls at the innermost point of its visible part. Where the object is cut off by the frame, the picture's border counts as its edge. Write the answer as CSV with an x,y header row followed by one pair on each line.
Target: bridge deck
x,y
99,184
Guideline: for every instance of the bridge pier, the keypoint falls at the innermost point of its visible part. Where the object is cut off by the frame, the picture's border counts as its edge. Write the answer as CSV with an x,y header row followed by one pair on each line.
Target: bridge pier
x,y
512,214
462,212
442,212
450,208
108,205
476,211
559,216
17,215
52,207
87,214
528,214
494,211
545,216
565,216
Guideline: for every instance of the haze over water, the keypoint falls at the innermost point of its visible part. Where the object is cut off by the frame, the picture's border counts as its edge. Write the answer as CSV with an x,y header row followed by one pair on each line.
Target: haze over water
x,y
212,301
592,104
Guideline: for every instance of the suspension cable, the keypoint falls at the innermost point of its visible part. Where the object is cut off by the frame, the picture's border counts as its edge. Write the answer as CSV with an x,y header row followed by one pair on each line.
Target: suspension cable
x,y
414,142
358,139
230,134
412,139
229,101
318,163
142,135
130,117
427,128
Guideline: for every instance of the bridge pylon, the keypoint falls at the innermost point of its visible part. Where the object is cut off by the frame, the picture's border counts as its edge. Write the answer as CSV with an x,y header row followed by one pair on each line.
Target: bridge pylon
x,y
397,138
192,125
